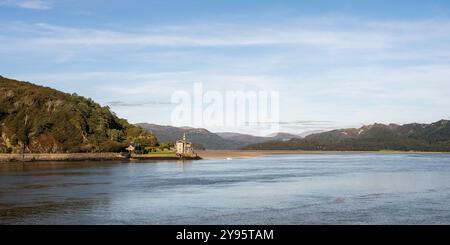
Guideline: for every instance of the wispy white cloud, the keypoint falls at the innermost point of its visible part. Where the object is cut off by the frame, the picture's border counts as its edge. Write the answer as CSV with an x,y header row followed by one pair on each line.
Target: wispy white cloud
x,y
28,4
132,85
365,41
194,35
34,4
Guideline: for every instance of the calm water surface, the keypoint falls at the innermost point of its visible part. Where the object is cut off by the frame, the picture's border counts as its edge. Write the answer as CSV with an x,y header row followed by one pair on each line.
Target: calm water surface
x,y
283,189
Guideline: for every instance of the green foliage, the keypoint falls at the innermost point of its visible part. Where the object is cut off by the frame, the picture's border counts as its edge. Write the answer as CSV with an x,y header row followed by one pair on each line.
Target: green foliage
x,y
41,119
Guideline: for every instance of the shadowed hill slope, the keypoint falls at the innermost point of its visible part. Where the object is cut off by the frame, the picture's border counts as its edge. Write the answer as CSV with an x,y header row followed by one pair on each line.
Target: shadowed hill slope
x,y
37,119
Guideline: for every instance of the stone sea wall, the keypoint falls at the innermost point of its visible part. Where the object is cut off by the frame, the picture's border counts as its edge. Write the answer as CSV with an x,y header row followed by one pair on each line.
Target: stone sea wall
x,y
61,157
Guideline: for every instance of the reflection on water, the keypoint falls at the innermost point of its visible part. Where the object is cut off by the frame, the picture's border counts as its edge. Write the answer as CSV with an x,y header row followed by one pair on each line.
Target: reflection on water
x,y
282,189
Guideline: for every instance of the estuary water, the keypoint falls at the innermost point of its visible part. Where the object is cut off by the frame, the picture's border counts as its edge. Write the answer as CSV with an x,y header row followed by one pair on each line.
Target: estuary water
x,y
280,189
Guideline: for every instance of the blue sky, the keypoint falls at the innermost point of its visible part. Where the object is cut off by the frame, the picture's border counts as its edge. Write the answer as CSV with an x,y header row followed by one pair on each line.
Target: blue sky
x,y
335,63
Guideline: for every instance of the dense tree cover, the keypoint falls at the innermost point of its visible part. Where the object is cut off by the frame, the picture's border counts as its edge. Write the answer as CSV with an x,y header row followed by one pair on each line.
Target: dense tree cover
x,y
43,120
409,137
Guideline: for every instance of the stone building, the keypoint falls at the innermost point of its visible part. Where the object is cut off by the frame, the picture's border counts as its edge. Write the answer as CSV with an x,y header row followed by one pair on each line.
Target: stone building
x,y
184,148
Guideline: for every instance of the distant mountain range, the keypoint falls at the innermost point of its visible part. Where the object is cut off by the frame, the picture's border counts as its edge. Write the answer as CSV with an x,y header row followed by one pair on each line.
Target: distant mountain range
x,y
246,139
203,138
408,137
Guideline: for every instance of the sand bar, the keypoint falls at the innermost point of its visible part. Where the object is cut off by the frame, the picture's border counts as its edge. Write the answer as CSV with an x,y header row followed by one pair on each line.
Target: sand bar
x,y
218,154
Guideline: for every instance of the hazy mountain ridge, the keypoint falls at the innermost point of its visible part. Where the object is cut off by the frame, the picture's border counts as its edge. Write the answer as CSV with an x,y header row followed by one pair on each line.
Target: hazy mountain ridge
x,y
207,139
284,136
37,119
248,139
243,139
